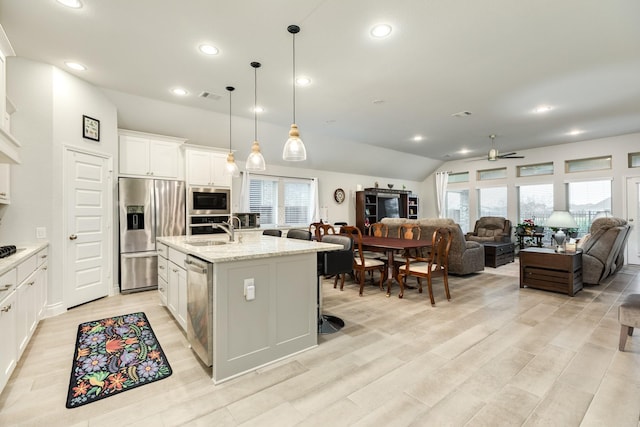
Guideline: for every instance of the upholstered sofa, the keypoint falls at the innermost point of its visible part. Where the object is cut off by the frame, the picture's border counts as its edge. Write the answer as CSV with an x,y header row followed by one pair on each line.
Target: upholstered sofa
x,y
603,249
465,257
491,229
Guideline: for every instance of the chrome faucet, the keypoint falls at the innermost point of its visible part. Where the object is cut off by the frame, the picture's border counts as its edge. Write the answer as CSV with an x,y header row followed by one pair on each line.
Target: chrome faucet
x,y
227,227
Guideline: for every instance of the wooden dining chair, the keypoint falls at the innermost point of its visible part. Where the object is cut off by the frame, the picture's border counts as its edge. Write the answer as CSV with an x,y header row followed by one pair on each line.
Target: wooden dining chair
x,y
361,264
411,232
379,229
319,229
437,264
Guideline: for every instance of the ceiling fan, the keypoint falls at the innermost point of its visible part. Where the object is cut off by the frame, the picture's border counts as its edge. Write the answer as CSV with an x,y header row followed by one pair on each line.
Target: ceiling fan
x,y
493,154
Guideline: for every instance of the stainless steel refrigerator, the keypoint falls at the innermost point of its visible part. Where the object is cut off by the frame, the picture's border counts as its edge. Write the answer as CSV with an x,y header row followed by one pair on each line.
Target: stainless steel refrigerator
x,y
149,208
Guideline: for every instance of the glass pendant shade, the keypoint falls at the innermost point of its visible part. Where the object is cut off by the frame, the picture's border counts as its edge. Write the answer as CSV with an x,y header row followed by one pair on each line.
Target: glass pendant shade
x,y
294,150
255,161
231,168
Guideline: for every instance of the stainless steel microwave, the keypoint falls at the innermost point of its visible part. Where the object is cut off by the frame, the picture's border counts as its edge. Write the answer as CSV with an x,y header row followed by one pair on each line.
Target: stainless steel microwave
x,y
209,201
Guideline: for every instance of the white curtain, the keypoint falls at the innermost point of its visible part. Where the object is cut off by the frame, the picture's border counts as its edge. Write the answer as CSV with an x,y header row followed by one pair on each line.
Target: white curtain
x,y
315,214
441,191
244,193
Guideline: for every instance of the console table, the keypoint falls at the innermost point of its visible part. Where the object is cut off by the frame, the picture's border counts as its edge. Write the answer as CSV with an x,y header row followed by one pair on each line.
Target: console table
x,y
543,268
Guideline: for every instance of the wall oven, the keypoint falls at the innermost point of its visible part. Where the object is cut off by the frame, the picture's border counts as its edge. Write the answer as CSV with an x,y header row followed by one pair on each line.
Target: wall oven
x,y
209,201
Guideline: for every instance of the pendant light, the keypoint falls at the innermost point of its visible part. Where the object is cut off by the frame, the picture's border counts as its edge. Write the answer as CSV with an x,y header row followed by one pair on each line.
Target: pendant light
x,y
231,167
255,161
294,147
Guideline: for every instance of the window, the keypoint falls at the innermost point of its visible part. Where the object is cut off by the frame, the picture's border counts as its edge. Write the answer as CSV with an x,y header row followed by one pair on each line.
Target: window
x,y
458,177
634,160
535,202
492,201
593,164
533,170
588,199
487,174
457,207
281,201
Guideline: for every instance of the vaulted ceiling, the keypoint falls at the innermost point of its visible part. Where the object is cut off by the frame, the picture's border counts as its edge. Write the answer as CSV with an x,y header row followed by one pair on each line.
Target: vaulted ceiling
x,y
498,60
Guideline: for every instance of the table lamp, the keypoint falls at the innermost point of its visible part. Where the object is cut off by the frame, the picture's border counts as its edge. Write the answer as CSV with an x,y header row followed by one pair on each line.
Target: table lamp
x,y
560,220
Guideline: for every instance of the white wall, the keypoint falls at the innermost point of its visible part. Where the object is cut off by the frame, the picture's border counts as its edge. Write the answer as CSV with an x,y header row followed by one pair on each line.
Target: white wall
x,y
328,182
50,104
617,147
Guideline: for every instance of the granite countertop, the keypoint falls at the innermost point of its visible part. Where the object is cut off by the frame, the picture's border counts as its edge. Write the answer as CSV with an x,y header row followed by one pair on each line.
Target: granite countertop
x,y
23,252
246,246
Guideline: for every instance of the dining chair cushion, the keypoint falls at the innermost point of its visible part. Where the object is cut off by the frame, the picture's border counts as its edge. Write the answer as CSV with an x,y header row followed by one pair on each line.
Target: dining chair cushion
x,y
369,262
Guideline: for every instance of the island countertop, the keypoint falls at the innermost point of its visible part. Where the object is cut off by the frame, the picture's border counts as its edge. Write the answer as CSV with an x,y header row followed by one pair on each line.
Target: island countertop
x,y
217,248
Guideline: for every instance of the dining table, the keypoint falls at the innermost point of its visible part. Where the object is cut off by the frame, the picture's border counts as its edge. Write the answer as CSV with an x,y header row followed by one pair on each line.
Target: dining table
x,y
390,245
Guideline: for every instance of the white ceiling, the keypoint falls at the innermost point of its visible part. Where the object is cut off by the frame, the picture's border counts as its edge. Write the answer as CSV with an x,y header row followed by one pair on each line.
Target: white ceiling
x,y
498,59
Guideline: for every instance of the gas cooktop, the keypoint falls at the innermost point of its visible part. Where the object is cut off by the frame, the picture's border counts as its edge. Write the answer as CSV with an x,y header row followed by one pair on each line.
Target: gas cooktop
x,y
5,251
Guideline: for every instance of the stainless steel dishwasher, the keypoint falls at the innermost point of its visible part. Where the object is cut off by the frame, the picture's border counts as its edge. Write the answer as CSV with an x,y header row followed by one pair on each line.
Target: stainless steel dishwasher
x,y
200,307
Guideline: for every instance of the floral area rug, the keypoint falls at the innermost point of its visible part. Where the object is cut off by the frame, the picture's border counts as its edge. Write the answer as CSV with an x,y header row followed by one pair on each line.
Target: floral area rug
x,y
114,355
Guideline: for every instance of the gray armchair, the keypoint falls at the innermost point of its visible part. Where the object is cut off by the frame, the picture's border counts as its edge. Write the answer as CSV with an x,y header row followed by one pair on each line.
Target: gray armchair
x,y
603,249
491,229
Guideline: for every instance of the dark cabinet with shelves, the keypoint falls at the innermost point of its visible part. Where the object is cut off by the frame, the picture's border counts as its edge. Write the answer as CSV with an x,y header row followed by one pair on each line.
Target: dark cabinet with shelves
x,y
412,206
373,204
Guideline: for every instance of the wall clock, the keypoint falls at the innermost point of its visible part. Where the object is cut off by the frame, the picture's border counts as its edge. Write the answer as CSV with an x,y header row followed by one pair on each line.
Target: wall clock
x,y
338,195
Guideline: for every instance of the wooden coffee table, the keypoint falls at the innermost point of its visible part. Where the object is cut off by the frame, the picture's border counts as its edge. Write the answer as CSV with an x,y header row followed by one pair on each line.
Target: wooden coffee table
x,y
498,253
543,268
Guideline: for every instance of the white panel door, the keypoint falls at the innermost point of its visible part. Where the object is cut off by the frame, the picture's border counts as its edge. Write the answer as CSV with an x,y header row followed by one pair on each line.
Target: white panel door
x,y
88,230
633,211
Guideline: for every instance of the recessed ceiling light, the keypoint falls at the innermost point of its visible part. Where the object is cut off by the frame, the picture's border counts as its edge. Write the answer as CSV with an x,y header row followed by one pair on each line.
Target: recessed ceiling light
x,y
378,101
208,49
303,81
76,4
179,91
257,109
418,138
380,31
575,132
464,151
75,66
543,109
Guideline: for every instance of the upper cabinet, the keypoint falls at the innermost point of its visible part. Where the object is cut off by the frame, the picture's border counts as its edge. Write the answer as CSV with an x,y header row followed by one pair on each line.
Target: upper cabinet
x,y
5,183
9,146
206,167
151,156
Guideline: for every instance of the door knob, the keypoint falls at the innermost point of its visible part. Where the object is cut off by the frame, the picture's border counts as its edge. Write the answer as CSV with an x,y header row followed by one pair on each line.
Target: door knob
x,y
73,237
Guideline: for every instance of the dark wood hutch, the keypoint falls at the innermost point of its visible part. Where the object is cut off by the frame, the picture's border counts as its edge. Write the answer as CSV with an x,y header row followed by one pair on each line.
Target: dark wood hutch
x,y
373,204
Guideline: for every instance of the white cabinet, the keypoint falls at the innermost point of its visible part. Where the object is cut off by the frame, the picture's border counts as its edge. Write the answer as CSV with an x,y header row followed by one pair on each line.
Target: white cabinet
x,y
163,268
5,183
177,287
23,298
9,354
150,155
207,168
8,144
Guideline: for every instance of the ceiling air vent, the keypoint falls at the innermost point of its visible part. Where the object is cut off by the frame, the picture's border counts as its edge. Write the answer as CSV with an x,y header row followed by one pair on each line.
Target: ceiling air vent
x,y
462,114
210,95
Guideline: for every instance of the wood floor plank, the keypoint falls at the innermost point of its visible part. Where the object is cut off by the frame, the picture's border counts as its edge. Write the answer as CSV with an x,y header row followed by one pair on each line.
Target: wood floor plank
x,y
494,355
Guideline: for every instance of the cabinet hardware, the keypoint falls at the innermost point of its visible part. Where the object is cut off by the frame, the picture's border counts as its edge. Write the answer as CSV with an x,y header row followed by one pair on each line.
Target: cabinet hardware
x,y
3,194
30,283
6,308
73,237
6,287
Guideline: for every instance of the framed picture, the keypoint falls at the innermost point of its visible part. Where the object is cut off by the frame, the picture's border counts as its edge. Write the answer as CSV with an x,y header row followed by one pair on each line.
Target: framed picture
x,y
90,128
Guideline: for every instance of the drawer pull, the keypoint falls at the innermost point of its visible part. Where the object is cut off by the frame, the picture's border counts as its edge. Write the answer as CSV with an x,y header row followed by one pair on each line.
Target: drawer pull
x,y
30,283
6,287
161,267
6,308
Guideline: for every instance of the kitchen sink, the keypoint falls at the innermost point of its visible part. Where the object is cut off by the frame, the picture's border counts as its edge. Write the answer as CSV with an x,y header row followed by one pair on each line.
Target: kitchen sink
x,y
206,242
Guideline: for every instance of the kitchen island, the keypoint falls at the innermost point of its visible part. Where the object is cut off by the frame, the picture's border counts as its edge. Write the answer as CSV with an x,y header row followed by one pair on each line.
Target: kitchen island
x,y
263,297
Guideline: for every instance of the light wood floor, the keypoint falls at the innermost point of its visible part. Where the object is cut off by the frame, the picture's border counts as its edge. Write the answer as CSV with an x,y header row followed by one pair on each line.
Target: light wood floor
x,y
495,355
